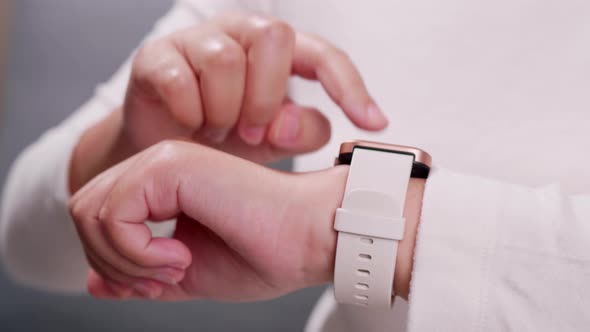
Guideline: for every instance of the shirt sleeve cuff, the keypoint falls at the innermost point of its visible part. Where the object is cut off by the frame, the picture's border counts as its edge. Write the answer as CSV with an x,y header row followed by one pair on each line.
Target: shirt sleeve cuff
x,y
453,246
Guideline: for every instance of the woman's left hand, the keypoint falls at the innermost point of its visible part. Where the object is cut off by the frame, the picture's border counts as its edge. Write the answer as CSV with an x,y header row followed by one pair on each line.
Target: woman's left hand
x,y
244,232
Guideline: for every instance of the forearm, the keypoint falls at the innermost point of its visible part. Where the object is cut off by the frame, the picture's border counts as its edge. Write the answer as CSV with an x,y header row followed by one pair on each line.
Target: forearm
x,y
329,185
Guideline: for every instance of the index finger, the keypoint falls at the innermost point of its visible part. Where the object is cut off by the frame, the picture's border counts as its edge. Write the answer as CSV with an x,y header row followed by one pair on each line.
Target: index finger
x,y
317,59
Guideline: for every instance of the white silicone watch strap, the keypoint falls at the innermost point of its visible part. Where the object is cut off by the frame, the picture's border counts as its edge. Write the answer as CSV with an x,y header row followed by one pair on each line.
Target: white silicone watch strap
x,y
370,223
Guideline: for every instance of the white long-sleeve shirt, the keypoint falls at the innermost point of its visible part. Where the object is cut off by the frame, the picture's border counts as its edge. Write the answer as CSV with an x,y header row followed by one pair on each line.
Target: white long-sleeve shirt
x,y
496,91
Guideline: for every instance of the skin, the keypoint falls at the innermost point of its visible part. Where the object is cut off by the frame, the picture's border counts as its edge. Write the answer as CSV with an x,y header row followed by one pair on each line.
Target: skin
x,y
223,83
277,240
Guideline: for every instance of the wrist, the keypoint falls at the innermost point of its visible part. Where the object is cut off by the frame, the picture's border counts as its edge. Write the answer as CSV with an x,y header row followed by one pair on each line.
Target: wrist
x,y
99,147
323,192
405,252
329,188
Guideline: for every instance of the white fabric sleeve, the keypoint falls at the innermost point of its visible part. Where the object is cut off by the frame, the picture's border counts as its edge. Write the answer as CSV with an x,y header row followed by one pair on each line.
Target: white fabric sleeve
x,y
38,242
492,256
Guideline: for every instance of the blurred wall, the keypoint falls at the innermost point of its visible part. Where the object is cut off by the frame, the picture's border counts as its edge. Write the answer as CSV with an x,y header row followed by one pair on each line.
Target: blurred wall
x,y
5,13
59,50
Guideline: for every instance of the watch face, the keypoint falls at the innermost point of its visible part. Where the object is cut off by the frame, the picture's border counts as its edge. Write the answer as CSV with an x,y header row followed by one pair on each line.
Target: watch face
x,y
422,160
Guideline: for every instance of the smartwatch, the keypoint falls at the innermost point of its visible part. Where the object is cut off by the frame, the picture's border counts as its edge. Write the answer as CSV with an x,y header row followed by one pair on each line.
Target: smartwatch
x,y
371,221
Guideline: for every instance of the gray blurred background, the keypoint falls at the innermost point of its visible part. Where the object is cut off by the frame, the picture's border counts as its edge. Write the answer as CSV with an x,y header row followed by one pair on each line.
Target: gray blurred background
x,y
54,55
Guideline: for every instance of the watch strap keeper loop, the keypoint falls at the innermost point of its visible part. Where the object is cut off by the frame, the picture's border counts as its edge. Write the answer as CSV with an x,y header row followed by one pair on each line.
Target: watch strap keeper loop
x,y
361,223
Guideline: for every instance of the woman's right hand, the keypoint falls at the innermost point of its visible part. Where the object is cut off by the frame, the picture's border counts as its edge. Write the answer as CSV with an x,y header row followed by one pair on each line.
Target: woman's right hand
x,y
229,76
223,83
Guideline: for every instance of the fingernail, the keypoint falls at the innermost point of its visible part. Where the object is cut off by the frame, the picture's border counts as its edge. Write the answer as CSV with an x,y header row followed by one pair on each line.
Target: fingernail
x,y
120,290
215,135
376,116
145,289
165,278
252,135
289,126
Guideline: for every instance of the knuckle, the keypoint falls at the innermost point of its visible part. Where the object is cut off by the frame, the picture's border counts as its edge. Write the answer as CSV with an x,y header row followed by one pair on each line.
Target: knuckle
x,y
106,219
161,154
169,78
276,31
224,54
76,210
159,69
224,15
79,212
145,56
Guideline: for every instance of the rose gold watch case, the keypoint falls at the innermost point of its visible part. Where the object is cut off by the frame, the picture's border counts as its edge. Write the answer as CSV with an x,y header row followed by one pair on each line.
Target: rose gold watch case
x,y
422,160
